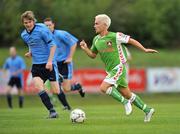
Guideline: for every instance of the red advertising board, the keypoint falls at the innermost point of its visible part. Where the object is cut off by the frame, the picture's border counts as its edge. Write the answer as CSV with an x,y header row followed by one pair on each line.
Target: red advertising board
x,y
28,83
92,78
89,78
137,80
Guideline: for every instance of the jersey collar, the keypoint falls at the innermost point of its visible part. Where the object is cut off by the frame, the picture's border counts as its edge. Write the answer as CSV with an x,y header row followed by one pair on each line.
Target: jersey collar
x,y
53,31
29,32
103,35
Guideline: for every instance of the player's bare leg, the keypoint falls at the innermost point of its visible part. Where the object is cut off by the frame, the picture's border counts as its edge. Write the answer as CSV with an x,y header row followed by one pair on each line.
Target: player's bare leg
x,y
75,87
66,85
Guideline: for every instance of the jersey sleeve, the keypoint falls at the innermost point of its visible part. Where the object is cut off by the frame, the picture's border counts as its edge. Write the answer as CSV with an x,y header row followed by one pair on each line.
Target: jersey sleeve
x,y
22,37
47,36
69,39
93,47
122,38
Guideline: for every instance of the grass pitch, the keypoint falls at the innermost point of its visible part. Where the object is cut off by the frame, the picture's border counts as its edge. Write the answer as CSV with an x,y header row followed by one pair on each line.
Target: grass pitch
x,y
165,58
104,116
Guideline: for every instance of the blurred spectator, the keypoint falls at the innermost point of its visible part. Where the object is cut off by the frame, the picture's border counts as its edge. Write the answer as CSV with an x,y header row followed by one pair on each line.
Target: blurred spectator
x,y
15,65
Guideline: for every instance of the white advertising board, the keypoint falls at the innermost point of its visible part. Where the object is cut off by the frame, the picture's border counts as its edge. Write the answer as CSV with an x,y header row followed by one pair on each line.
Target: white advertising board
x,y
163,79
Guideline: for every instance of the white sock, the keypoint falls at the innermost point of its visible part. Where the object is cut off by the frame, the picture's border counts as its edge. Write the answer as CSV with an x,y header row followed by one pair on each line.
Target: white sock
x,y
133,97
109,90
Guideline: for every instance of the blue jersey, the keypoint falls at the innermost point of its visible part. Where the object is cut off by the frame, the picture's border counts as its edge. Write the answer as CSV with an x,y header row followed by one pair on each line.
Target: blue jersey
x,y
39,41
64,42
14,64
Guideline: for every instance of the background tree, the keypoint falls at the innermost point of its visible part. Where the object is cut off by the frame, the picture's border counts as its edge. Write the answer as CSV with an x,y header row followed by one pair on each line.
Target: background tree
x,y
155,23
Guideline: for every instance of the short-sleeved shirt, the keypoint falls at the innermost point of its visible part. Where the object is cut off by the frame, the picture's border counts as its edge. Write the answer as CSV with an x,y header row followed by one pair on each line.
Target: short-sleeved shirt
x,y
14,64
64,42
111,49
39,41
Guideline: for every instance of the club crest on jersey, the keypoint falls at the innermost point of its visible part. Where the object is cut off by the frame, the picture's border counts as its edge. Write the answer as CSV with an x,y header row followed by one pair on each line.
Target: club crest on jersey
x,y
109,43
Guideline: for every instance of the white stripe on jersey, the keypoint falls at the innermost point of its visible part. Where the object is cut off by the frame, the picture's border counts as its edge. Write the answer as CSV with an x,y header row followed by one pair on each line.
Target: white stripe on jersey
x,y
121,38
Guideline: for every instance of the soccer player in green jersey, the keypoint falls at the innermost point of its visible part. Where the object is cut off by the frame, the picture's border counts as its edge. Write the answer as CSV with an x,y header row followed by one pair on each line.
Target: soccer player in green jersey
x,y
110,47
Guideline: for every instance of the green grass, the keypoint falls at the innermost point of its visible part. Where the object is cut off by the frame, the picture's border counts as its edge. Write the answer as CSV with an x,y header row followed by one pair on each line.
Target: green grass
x,y
165,58
169,58
104,116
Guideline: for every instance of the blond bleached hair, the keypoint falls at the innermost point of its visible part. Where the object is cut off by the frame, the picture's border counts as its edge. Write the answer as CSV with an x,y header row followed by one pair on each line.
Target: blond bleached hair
x,y
104,18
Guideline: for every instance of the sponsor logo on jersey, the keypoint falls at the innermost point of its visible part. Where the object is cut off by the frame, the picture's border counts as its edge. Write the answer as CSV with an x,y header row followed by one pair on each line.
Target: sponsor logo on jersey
x,y
109,43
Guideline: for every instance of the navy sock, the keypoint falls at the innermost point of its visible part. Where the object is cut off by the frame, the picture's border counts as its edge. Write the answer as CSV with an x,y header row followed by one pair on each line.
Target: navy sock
x,y
75,87
63,100
21,100
9,100
46,101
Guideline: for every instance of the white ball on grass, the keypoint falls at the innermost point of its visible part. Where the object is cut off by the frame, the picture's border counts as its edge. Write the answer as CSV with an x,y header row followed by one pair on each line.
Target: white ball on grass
x,y
77,116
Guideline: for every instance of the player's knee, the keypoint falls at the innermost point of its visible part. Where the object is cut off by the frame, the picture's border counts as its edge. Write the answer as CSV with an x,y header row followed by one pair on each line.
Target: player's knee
x,y
55,88
66,89
126,94
56,91
39,87
102,89
8,90
38,83
20,92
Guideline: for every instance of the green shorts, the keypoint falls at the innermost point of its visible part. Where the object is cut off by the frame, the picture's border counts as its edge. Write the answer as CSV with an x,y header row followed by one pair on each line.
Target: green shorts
x,y
117,76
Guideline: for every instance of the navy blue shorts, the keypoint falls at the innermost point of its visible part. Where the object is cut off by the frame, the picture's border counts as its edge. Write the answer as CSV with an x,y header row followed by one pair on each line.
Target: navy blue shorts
x,y
15,81
65,69
39,70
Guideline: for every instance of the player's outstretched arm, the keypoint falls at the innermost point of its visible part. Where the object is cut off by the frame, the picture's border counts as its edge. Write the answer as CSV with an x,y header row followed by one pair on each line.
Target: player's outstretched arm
x,y
87,50
71,54
140,46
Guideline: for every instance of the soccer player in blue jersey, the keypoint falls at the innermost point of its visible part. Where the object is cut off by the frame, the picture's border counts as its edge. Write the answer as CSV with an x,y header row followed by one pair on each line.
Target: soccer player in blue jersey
x,y
66,46
15,65
42,48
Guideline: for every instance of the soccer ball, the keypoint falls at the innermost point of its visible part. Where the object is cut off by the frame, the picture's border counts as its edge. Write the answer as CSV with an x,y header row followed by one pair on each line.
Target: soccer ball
x,y
77,116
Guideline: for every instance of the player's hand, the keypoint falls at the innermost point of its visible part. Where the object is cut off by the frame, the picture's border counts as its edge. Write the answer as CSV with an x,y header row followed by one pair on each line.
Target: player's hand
x,y
83,44
151,51
28,55
68,60
49,65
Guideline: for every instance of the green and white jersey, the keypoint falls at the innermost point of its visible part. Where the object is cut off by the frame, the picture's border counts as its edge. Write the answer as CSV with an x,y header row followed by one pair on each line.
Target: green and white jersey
x,y
111,49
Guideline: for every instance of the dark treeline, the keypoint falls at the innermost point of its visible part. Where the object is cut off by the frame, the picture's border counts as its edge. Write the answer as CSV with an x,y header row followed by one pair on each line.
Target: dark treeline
x,y
155,23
